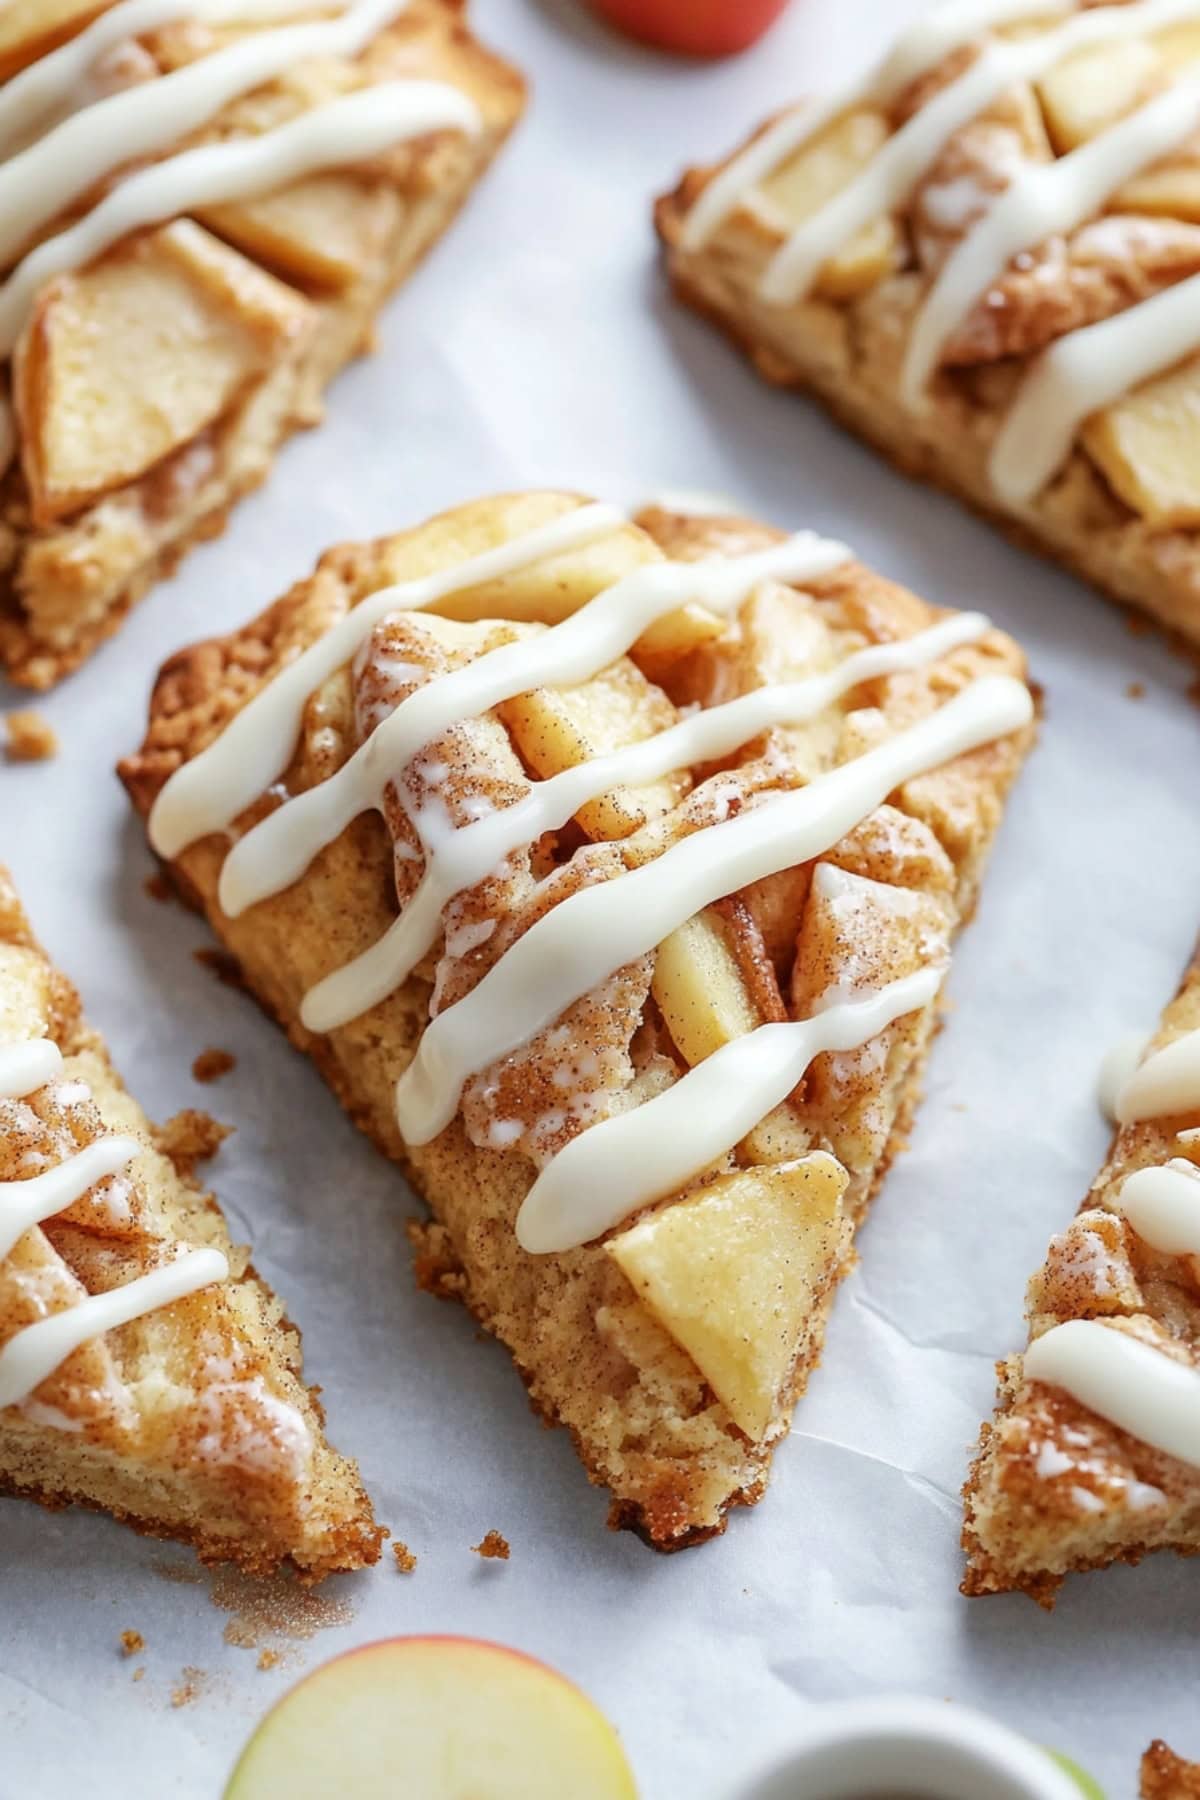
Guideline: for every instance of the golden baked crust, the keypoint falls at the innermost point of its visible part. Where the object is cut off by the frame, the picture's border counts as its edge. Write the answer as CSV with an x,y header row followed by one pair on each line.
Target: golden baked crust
x,y
1105,513
1055,1488
1166,1776
594,1356
193,1422
246,313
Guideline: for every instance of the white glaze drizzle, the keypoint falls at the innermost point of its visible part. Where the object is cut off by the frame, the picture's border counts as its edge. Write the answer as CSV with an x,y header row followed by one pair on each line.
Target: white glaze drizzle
x,y
58,83
39,182
1167,1082
589,934
467,854
332,135
1129,1383
910,151
207,793
277,851
1041,200
627,1161
942,30
1116,1066
579,942
34,1353
1163,1206
37,1350
1080,374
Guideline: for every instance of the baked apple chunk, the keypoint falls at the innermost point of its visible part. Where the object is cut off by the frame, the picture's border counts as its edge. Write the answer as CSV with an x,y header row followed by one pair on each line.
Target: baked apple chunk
x,y
632,959
180,283
984,257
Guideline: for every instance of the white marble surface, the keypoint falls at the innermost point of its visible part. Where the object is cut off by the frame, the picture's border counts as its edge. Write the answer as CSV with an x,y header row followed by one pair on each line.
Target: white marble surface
x,y
538,344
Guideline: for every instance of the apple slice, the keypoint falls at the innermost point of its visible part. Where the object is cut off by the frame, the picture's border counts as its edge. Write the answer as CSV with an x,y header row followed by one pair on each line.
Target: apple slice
x,y
442,1718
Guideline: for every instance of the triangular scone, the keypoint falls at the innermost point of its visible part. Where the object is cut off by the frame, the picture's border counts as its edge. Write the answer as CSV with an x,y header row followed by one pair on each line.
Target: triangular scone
x,y
190,1420
1058,1484
983,255
1166,1776
660,1266
179,285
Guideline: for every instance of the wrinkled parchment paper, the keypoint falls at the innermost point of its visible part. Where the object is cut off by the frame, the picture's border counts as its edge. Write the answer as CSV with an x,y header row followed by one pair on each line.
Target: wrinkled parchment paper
x,y
538,345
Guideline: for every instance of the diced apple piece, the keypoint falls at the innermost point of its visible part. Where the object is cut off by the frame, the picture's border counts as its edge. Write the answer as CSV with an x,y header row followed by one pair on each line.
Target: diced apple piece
x,y
1169,190
1094,88
733,1273
557,728
821,169
127,361
1148,447
29,28
438,1717
699,988
549,591
328,230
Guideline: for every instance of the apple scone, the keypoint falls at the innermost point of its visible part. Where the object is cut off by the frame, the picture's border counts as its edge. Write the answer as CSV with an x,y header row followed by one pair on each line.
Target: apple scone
x,y
203,206
1094,1453
145,1368
607,868
984,257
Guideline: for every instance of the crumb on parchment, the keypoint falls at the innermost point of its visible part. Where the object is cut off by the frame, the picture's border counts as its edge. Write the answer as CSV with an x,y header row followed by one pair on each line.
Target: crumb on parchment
x,y
406,1562
269,1659
211,1064
28,738
493,1547
190,1137
190,1686
157,886
132,1643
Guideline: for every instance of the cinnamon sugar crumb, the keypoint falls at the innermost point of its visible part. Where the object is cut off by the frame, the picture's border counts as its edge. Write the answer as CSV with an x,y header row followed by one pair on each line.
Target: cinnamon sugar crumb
x,y
190,1137
139,1674
279,1608
132,1642
210,1065
1136,690
406,1562
29,738
493,1548
157,886
269,1659
189,1688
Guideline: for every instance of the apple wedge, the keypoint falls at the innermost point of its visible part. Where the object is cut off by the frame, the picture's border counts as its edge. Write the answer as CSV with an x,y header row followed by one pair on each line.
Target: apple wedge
x,y
434,1718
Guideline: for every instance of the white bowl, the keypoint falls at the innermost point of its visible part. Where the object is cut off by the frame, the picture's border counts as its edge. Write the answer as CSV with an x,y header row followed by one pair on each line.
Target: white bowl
x,y
924,1749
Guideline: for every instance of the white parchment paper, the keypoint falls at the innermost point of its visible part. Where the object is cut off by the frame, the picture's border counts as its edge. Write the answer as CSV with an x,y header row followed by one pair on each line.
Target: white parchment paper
x,y
538,345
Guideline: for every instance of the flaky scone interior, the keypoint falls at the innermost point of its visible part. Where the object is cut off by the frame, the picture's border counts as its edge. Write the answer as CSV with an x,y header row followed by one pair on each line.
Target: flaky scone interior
x,y
984,257
1094,1453
607,868
145,1368
1166,1776
203,206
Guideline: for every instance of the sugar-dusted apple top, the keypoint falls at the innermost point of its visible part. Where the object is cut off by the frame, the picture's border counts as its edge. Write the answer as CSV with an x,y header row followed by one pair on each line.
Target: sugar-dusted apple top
x,y
548,941
209,127
1032,169
87,1182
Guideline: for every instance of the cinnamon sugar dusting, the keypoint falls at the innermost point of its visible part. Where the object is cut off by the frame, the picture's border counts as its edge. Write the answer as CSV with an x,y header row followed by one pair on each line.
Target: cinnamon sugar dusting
x,y
269,1659
189,1687
493,1548
211,1064
278,1608
132,1642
